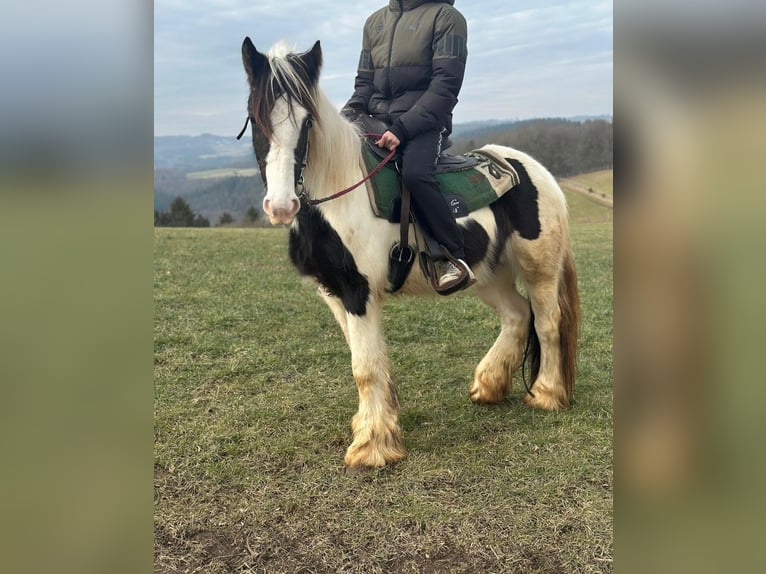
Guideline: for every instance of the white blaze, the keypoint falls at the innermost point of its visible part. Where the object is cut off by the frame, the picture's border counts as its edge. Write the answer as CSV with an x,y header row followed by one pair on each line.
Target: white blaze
x,y
281,203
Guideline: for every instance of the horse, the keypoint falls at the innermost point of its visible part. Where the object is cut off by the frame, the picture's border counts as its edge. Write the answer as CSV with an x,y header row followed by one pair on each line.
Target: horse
x,y
306,151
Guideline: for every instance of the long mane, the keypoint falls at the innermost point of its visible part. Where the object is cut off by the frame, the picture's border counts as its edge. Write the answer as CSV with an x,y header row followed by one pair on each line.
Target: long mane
x,y
334,151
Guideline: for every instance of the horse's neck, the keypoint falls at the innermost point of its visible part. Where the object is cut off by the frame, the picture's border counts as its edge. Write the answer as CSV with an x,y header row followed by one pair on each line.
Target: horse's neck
x,y
335,155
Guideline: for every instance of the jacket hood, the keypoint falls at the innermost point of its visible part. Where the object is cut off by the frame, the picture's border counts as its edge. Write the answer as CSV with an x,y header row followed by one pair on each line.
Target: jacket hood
x,y
410,4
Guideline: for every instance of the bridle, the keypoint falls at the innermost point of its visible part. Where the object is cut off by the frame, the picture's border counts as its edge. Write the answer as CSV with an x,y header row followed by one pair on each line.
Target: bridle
x,y
302,152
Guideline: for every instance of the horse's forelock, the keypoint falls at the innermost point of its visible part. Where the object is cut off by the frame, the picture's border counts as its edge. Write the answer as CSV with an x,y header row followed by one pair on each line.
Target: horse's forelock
x,y
288,76
262,99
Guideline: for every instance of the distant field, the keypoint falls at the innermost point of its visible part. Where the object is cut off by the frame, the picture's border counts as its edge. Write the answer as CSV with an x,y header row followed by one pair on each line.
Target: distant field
x,y
253,398
597,186
600,181
583,206
223,172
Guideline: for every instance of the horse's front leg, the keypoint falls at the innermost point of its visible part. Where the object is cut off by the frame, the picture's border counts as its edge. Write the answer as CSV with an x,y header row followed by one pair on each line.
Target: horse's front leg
x,y
337,308
375,426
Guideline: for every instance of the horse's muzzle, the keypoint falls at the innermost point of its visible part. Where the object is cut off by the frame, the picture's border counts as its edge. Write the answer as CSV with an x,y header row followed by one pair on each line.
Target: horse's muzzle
x,y
281,213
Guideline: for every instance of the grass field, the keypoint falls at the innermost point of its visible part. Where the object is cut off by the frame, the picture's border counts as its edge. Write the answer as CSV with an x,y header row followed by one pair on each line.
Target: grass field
x,y
254,396
599,181
596,187
222,172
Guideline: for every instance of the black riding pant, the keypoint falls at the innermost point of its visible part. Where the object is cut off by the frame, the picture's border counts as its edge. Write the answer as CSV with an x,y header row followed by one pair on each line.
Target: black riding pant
x,y
419,157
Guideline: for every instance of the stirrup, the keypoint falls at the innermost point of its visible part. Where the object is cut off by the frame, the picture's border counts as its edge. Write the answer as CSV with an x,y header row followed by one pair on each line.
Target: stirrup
x,y
465,280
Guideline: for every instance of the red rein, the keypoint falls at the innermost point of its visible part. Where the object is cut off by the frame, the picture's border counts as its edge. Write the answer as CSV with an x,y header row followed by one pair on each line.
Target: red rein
x,y
367,178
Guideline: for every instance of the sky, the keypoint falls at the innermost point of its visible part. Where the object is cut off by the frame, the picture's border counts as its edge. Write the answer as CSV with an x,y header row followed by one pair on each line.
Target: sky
x,y
526,59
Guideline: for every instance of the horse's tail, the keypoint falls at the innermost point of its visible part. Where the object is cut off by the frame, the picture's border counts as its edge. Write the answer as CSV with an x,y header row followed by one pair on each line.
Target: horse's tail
x,y
532,351
569,325
569,328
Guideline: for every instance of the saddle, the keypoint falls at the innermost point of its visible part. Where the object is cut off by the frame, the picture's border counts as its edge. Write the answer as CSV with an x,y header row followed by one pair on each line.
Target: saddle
x,y
468,182
446,163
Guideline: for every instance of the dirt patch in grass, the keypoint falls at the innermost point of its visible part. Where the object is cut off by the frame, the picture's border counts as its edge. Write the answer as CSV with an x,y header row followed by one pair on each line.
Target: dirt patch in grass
x,y
294,550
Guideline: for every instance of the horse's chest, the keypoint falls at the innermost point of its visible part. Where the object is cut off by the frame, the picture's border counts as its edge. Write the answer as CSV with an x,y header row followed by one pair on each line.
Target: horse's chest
x,y
317,250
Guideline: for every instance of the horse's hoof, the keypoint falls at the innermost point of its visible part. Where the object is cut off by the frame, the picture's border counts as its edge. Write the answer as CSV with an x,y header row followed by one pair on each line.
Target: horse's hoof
x,y
370,456
486,395
360,470
547,400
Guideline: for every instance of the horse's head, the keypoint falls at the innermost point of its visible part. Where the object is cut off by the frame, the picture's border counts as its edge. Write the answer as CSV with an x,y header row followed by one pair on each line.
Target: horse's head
x,y
281,107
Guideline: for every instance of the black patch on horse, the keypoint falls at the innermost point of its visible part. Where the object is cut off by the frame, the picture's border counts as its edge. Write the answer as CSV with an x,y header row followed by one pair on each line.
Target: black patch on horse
x,y
261,145
317,250
517,211
475,242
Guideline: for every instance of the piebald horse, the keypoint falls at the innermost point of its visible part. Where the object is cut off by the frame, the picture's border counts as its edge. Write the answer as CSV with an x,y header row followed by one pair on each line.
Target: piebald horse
x,y
307,151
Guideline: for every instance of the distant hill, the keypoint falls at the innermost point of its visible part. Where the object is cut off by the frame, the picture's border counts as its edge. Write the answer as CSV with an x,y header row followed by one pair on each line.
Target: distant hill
x,y
176,157
197,153
566,146
468,127
208,151
210,197
487,127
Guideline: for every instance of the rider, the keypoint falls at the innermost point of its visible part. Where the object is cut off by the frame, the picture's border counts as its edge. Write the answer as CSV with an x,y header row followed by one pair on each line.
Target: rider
x,y
410,72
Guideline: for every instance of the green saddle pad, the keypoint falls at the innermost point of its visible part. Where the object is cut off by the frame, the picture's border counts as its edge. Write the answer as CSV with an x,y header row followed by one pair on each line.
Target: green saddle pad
x,y
465,190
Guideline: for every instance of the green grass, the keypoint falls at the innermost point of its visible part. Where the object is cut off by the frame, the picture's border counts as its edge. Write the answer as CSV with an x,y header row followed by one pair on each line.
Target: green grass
x,y
222,172
254,395
588,193
599,181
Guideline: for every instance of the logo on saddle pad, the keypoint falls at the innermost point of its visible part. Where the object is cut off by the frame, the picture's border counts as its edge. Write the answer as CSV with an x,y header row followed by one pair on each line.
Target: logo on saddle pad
x,y
466,187
457,206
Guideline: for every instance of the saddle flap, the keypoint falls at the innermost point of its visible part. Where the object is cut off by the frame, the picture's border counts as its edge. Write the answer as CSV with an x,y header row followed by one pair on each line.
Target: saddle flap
x,y
478,179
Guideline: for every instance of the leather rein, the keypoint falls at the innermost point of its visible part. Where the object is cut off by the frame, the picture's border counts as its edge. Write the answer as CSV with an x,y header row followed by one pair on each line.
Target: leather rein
x,y
369,176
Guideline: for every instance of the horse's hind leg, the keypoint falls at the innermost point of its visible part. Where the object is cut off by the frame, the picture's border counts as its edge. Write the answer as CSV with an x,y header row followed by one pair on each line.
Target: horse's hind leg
x,y
494,374
555,303
548,391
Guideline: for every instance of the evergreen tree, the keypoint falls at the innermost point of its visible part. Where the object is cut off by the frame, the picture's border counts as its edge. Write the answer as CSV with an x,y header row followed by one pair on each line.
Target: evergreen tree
x,y
200,221
251,214
181,215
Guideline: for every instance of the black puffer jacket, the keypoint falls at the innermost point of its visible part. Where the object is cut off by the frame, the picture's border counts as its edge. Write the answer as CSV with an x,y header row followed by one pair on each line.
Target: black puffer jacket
x,y
411,67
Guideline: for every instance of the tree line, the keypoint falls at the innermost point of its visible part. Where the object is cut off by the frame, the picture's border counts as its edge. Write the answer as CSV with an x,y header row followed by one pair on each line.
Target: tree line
x,y
565,147
211,198
180,214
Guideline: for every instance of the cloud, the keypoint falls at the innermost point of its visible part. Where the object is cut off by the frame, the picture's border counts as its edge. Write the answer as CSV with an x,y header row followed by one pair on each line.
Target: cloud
x,y
520,56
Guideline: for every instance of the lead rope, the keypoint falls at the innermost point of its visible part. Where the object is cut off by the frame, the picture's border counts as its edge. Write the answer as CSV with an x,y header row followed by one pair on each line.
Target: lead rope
x,y
524,359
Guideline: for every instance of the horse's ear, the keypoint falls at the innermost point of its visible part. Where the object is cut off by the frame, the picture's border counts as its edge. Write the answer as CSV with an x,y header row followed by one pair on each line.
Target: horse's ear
x,y
312,60
255,62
